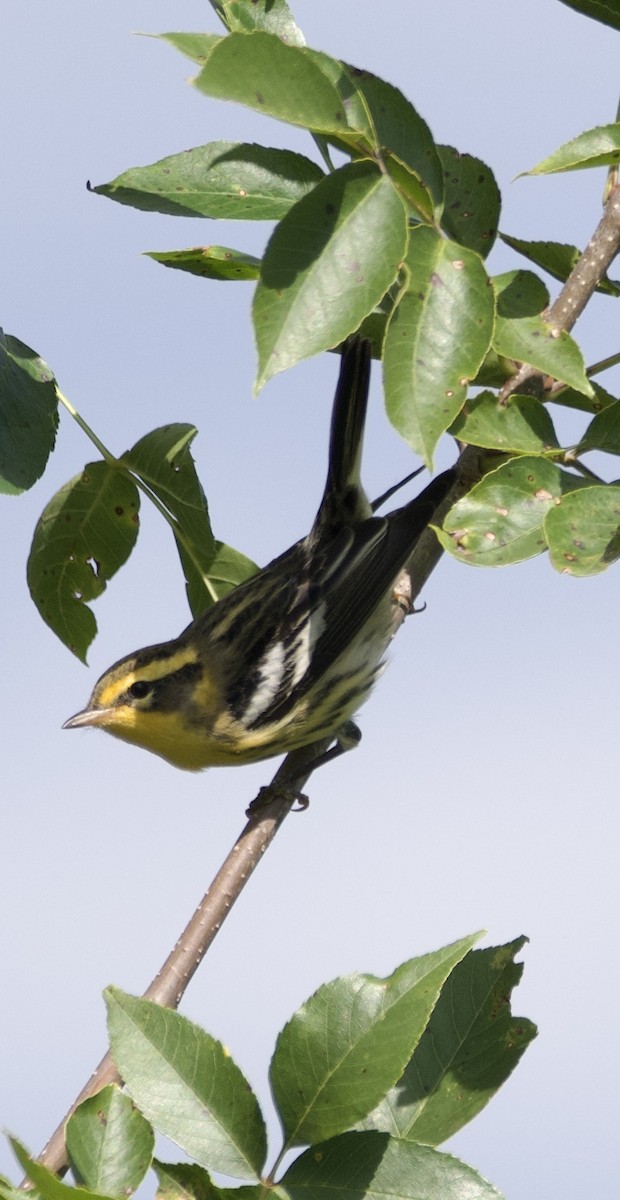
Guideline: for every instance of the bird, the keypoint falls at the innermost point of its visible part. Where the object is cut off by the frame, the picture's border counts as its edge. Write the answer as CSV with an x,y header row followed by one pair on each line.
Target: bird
x,y
286,658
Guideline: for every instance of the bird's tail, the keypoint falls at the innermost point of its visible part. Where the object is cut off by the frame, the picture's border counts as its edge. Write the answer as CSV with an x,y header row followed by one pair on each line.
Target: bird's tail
x,y
344,500
419,512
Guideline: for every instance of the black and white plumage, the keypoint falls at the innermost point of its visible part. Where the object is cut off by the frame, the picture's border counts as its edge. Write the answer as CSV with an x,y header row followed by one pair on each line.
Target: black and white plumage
x,y
288,656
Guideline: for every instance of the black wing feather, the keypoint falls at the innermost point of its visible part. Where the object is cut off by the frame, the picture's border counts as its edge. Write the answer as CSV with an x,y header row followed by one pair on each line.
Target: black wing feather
x,y
349,576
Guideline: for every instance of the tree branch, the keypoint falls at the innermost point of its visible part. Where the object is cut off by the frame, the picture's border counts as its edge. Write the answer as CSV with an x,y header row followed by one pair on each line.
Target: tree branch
x,y
579,287
169,985
171,981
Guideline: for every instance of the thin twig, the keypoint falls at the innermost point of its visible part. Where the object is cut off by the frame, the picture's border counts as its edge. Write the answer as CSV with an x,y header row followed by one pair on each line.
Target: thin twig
x,y
170,983
578,289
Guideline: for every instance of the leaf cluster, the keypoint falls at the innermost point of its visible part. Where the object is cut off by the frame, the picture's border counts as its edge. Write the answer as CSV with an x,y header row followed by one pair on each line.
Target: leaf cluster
x,y
384,231
370,1075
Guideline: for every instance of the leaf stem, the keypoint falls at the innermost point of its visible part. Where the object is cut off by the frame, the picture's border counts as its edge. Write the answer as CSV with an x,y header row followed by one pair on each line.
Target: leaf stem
x,y
603,365
323,148
579,466
103,450
177,531
119,465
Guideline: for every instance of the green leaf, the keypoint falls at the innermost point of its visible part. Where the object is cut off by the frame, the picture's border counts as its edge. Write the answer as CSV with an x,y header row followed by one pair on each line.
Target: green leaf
x,y
501,520
583,531
402,134
196,46
350,1042
519,294
472,200
237,181
183,1181
228,568
373,1165
9,1191
211,262
569,398
360,137
470,1046
598,147
47,1183
186,1181
329,262
523,426
494,371
222,573
86,532
289,83
272,16
436,339
603,432
187,1085
416,197
558,259
523,335
109,1143
162,459
605,11
28,415
373,327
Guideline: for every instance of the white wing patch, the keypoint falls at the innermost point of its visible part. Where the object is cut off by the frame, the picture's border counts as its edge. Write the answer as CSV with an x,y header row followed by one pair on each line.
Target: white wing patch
x,y
271,673
302,646
283,666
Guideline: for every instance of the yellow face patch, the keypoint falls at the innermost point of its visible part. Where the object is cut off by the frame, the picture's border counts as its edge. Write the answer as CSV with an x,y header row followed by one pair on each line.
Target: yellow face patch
x,y
190,747
147,721
109,689
164,734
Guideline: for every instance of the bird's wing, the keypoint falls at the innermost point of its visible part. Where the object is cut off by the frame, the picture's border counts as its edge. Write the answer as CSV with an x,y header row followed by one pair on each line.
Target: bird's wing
x,y
336,594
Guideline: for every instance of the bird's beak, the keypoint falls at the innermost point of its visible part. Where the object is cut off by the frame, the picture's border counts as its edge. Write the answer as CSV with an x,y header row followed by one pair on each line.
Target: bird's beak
x,y
89,716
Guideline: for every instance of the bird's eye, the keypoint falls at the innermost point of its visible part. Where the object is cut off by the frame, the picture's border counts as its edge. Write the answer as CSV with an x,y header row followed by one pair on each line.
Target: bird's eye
x,y
139,689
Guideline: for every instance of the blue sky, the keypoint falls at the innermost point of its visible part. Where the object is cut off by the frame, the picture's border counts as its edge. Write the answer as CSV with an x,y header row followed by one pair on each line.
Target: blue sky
x,y
484,793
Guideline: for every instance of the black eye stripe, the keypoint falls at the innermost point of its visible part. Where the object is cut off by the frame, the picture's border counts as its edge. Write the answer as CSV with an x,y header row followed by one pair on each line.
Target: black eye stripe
x,y
139,689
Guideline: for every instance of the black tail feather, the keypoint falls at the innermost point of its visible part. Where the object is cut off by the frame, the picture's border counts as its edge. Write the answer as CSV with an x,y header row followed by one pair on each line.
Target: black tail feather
x,y
344,500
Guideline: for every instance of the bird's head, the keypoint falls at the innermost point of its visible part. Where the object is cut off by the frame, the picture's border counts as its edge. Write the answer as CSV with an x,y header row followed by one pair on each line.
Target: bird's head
x,y
150,698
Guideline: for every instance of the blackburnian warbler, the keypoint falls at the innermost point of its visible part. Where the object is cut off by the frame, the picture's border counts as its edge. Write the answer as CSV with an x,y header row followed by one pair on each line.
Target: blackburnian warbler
x,y
288,656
